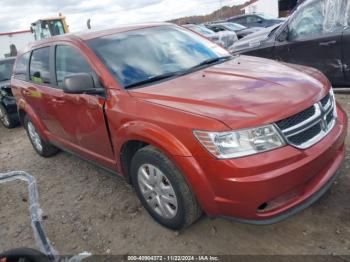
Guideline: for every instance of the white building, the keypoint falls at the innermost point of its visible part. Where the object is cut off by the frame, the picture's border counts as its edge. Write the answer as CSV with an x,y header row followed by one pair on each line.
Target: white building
x,y
268,7
20,39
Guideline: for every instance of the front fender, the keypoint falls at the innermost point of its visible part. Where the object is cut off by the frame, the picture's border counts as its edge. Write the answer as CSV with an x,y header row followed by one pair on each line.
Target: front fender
x,y
150,134
176,151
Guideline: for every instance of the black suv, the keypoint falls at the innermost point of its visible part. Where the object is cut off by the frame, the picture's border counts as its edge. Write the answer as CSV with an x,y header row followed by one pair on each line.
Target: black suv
x,y
255,20
8,108
310,37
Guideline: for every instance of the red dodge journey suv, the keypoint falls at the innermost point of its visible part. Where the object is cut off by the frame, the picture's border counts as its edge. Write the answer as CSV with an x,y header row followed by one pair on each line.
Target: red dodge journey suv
x,y
191,127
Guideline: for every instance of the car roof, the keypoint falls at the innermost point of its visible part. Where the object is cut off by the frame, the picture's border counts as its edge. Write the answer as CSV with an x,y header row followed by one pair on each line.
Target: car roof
x,y
92,34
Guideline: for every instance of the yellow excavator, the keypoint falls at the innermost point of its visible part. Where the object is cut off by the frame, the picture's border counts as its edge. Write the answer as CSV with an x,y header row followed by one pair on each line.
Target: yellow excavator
x,y
48,27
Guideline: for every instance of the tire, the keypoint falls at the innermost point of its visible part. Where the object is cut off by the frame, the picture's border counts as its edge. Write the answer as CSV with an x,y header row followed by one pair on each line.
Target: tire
x,y
5,118
24,254
171,203
42,147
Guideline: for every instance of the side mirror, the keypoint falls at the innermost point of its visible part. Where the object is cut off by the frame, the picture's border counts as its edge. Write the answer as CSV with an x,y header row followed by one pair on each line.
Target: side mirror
x,y
82,83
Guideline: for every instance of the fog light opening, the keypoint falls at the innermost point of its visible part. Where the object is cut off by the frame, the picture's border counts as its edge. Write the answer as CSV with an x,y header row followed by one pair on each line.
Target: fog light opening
x,y
262,207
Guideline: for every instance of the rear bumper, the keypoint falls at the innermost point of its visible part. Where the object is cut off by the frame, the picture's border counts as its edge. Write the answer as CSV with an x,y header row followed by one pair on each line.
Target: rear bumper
x,y
268,187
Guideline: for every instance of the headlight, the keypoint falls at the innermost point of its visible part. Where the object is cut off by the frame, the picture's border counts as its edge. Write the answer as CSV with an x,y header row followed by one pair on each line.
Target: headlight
x,y
240,143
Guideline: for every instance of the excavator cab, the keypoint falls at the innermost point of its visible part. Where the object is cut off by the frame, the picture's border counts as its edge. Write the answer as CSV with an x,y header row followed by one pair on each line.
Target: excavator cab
x,y
48,27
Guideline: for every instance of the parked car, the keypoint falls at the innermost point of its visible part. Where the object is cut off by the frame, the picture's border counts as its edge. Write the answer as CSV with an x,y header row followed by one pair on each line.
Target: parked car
x,y
240,30
255,20
191,127
309,37
8,107
224,39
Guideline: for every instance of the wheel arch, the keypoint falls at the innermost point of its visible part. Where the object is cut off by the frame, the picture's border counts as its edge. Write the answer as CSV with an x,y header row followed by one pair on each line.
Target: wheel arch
x,y
24,109
135,135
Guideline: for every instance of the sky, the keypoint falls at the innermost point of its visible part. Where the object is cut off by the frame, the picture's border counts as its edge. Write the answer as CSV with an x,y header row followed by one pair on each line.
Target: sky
x,y
18,14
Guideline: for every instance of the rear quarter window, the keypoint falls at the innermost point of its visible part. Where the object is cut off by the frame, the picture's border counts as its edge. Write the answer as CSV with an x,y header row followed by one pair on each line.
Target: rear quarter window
x,y
21,67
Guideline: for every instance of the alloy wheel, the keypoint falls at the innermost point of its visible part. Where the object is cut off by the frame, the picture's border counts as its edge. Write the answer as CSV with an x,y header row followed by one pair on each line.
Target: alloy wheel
x,y
34,136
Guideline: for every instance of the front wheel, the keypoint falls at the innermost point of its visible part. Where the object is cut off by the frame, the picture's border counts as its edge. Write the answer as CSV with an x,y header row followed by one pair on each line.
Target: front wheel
x,y
163,190
41,146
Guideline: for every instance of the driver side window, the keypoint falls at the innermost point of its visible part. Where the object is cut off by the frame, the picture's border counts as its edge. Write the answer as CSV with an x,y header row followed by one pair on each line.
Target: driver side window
x,y
307,23
69,62
315,19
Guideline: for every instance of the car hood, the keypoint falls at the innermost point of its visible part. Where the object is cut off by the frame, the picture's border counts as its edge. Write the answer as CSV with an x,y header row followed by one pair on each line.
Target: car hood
x,y
243,92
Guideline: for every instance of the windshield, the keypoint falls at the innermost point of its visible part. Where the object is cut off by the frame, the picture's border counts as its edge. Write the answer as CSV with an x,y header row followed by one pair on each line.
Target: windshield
x,y
46,29
140,55
6,69
201,29
234,26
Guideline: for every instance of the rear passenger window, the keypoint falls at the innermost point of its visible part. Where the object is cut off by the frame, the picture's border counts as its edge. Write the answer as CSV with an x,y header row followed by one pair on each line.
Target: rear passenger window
x,y
40,66
21,70
69,62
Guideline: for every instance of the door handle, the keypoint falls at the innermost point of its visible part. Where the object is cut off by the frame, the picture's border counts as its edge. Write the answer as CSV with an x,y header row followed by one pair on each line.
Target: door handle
x,y
328,43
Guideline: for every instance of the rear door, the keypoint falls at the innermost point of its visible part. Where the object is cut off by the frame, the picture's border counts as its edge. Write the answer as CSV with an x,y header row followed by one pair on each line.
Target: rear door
x,y
37,89
314,39
80,118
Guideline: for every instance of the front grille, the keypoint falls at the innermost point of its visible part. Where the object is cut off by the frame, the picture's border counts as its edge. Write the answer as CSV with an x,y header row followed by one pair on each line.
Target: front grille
x,y
296,119
306,135
311,125
324,101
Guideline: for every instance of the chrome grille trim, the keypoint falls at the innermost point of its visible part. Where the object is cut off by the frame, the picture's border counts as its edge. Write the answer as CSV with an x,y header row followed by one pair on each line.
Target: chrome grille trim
x,y
323,119
305,122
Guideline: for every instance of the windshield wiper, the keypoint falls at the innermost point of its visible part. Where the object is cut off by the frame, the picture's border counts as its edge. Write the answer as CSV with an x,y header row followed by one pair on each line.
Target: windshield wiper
x,y
152,79
210,61
4,79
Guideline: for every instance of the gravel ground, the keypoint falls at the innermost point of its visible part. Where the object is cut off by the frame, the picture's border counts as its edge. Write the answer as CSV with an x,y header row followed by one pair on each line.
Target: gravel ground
x,y
86,209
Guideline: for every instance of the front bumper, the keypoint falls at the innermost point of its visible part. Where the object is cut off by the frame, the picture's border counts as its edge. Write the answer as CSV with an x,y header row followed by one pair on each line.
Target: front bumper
x,y
268,187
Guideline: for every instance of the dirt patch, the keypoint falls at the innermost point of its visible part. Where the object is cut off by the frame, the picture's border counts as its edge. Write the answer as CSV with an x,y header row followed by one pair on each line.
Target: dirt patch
x,y
88,210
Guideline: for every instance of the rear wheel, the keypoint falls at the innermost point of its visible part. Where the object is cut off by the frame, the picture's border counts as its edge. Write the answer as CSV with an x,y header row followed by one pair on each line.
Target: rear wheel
x,y
41,146
163,190
5,118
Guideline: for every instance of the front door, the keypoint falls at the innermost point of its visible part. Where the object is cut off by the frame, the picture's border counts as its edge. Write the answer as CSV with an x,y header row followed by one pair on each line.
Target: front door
x,y
313,39
78,120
